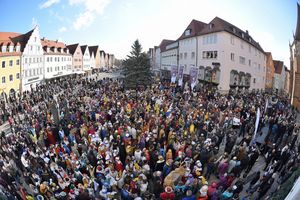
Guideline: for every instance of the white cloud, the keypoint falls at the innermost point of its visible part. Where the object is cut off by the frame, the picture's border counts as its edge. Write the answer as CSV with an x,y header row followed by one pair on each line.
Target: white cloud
x,y
91,9
84,20
48,3
62,29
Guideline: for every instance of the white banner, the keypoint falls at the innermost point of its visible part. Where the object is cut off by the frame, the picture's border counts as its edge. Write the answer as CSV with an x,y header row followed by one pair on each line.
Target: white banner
x,y
256,124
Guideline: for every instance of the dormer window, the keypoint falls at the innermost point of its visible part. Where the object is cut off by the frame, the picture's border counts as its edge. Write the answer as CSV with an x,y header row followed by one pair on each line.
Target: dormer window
x,y
18,48
67,50
233,30
187,32
250,40
48,49
3,49
11,48
243,35
61,50
55,49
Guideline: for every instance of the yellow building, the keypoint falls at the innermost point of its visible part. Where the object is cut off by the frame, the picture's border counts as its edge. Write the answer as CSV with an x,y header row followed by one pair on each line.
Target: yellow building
x,y
9,74
10,65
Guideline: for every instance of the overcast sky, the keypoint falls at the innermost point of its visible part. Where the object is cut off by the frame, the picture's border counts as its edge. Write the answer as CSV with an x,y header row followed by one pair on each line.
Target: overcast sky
x,y
115,24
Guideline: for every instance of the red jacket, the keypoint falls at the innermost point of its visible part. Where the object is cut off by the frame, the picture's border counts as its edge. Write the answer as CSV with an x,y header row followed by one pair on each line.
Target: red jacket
x,y
167,196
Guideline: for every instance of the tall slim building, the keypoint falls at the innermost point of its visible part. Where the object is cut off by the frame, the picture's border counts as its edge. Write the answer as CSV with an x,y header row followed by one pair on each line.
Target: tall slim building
x,y
295,65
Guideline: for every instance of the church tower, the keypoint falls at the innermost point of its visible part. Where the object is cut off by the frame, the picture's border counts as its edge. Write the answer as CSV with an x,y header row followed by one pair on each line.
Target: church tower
x,y
295,65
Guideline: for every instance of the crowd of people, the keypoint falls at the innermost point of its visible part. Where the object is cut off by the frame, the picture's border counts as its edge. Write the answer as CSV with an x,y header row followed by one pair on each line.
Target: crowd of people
x,y
92,139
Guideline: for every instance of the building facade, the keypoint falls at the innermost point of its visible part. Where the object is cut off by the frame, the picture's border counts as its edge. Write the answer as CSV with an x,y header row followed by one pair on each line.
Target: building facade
x,y
57,59
229,57
96,53
169,56
102,59
75,51
217,53
86,59
9,73
32,69
279,77
269,72
10,69
287,80
295,65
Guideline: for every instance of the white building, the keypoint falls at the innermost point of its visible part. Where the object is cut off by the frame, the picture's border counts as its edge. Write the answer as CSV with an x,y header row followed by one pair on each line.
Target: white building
x,y
86,59
32,59
57,59
279,76
169,56
102,59
221,53
92,59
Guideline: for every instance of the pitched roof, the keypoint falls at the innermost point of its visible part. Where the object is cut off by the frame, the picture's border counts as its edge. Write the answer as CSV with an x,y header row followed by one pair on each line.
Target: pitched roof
x,y
195,26
218,24
278,65
52,43
93,49
297,34
8,38
83,48
164,43
72,48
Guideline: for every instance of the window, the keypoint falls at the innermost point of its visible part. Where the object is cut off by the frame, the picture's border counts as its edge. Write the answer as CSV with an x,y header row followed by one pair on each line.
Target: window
x,y
35,39
3,79
11,77
3,64
185,55
232,40
193,55
18,76
34,60
33,72
210,39
187,32
48,59
10,63
29,60
18,62
48,69
30,72
31,48
242,60
259,67
249,62
25,60
254,80
209,54
26,73
232,56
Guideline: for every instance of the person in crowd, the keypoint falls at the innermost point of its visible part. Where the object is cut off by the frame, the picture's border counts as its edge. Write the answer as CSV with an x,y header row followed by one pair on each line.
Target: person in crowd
x,y
84,138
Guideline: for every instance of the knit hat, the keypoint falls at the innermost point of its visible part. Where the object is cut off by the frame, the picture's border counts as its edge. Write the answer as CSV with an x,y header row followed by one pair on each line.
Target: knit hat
x,y
168,189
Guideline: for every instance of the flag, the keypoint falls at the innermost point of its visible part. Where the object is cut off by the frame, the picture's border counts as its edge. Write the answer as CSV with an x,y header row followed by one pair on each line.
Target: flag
x,y
256,125
173,73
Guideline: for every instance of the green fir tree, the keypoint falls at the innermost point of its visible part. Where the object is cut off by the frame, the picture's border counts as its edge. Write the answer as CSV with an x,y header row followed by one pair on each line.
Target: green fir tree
x,y
137,69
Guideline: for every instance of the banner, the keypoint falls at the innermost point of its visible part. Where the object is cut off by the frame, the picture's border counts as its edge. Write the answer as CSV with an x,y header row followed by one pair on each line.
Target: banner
x,y
180,75
173,73
193,76
256,125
